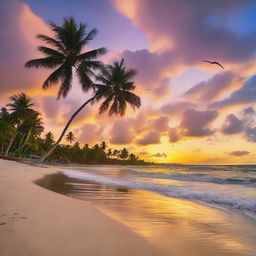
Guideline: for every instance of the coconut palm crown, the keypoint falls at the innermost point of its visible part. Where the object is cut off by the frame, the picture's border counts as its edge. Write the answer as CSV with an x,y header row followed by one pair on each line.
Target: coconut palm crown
x,y
70,137
64,54
20,106
115,89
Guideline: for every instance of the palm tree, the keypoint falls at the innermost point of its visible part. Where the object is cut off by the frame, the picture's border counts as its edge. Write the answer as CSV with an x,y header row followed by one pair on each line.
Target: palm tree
x,y
103,145
115,85
21,108
115,89
70,137
49,138
32,126
65,57
124,153
109,153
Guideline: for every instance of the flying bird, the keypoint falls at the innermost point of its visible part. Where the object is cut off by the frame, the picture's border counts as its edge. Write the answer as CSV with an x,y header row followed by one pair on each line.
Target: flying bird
x,y
213,62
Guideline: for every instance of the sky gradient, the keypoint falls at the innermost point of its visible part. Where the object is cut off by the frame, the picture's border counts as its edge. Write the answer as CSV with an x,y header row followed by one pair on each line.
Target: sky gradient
x,y
192,111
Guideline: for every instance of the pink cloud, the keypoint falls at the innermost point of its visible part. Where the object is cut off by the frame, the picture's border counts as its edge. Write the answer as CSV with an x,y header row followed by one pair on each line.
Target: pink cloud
x,y
174,135
186,31
150,138
213,88
19,26
90,133
176,108
195,123
121,132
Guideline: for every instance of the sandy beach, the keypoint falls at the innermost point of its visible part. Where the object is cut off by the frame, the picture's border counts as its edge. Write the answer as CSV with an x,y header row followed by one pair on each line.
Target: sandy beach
x,y
35,221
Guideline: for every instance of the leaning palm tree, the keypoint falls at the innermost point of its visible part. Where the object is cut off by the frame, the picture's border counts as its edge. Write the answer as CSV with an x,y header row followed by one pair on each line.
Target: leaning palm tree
x,y
70,137
115,89
66,57
20,108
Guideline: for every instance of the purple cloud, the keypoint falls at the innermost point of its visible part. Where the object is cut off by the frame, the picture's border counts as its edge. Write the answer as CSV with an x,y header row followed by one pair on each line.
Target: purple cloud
x,y
173,135
245,95
232,125
195,122
91,133
176,108
150,138
239,153
208,90
19,27
121,132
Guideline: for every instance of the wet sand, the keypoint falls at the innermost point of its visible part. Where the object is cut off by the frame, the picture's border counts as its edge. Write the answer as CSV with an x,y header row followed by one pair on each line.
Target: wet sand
x,y
36,221
176,226
110,221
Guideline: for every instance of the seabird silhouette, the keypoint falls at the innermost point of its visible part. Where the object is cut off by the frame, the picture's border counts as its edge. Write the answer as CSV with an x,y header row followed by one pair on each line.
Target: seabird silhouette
x,y
213,62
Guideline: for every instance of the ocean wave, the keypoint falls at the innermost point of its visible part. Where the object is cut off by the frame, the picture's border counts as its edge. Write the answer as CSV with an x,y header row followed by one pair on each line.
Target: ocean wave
x,y
198,177
220,199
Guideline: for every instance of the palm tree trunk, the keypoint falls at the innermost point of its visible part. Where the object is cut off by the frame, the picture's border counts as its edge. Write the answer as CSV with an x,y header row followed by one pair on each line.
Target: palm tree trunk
x,y
21,141
11,141
64,131
25,142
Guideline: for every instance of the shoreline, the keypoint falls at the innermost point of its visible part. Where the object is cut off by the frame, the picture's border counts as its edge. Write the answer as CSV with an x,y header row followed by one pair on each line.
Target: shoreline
x,y
36,221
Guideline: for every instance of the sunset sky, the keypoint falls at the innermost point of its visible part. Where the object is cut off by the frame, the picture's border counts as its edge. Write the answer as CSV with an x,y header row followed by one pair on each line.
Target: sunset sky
x,y
192,111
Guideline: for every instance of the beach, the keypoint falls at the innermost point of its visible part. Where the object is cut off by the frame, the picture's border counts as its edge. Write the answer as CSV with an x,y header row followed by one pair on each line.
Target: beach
x,y
35,221
104,210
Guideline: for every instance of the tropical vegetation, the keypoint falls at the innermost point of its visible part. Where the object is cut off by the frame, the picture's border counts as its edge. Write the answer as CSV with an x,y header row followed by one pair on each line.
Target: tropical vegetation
x,y
111,84
22,137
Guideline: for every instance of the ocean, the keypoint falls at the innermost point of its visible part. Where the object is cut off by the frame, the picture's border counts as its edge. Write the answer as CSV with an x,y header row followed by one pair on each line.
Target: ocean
x,y
183,210
226,187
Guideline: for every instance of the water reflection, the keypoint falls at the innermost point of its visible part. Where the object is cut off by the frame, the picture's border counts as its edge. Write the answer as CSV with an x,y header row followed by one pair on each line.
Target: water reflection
x,y
176,226
56,182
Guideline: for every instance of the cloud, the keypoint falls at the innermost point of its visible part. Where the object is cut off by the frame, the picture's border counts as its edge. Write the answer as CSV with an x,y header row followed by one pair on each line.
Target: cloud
x,y
189,33
150,138
159,155
19,27
72,105
239,153
160,124
213,88
121,132
195,122
173,135
143,153
150,67
232,125
250,134
90,133
50,106
176,108
245,95
244,124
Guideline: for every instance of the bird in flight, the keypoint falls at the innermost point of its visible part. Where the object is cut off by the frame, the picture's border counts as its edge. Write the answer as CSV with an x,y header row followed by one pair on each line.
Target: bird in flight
x,y
213,62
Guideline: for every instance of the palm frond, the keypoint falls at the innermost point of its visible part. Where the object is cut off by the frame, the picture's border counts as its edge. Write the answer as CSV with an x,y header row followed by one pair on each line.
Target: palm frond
x,y
54,77
84,75
51,52
90,55
90,36
132,99
47,62
51,41
66,85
